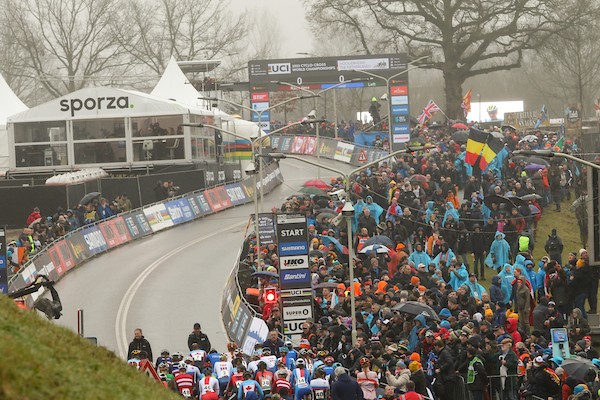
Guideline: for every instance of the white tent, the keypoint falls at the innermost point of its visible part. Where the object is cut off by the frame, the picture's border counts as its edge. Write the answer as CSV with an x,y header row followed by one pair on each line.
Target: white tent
x,y
174,85
9,104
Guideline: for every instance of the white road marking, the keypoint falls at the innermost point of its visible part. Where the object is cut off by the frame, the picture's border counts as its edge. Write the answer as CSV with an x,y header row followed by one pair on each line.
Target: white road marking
x,y
122,313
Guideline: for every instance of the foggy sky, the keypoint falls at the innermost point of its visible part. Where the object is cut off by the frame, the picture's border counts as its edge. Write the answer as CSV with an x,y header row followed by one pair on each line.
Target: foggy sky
x,y
295,31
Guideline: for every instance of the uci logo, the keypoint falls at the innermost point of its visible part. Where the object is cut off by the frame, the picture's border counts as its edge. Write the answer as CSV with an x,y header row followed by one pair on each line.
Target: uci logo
x,y
278,69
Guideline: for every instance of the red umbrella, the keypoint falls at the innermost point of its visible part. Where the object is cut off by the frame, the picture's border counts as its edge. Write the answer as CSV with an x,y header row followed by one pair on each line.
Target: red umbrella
x,y
460,125
317,183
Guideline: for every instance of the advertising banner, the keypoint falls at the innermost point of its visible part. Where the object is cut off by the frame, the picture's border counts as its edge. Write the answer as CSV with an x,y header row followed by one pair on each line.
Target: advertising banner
x,y
217,199
298,145
136,224
343,152
256,333
203,203
95,241
292,245
78,247
45,266
180,211
158,217
113,234
286,144
327,147
3,263
61,256
311,145
275,142
236,193
266,228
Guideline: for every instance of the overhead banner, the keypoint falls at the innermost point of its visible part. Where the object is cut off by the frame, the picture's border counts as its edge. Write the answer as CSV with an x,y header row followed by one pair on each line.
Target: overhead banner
x,y
524,120
3,263
292,244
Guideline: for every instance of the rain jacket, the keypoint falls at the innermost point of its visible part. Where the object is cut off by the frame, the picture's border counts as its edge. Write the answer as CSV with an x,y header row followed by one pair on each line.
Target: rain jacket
x,y
376,209
429,211
449,254
420,257
450,211
496,295
506,279
458,281
501,251
476,289
413,337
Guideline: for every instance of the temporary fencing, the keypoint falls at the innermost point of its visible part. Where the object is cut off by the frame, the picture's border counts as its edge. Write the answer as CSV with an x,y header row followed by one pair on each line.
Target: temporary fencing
x,y
82,244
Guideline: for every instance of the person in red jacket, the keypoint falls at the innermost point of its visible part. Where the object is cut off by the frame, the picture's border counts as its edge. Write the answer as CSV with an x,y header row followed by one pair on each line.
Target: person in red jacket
x,y
35,214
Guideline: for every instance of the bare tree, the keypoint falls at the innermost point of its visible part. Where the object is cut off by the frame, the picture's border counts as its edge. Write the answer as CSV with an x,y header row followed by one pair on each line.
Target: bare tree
x,y
66,44
566,68
465,38
153,31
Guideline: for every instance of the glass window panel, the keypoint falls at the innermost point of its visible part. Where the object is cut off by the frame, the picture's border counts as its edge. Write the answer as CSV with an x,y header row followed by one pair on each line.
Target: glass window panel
x,y
158,149
100,152
47,131
105,128
167,125
41,155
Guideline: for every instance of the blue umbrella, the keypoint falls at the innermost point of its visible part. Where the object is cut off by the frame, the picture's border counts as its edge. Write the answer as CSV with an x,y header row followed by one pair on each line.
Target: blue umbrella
x,y
380,239
377,248
330,239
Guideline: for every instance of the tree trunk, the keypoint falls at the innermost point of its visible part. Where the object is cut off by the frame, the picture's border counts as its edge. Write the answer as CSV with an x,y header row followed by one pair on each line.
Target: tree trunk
x,y
453,91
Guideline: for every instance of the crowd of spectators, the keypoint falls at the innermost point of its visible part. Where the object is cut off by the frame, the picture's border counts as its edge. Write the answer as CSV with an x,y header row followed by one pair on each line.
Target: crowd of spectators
x,y
460,241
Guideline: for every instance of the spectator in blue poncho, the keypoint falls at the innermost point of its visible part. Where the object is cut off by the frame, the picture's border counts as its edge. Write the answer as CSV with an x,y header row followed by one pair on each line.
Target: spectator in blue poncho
x,y
413,337
419,256
531,275
429,211
450,211
499,253
506,278
444,256
458,276
476,289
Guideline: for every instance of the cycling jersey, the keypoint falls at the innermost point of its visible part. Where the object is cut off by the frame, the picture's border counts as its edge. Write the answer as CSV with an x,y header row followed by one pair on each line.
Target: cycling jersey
x,y
185,384
320,389
223,369
265,379
368,383
209,388
247,386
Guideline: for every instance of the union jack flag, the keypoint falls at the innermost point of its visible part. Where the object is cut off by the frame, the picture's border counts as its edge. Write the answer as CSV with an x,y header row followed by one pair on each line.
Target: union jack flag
x,y
430,109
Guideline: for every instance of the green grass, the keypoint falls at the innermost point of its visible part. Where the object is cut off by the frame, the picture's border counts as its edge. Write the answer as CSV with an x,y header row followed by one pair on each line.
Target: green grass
x,y
40,360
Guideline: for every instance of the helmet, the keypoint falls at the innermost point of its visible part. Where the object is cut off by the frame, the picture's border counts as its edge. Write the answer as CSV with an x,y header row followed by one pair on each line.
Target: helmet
x,y
365,361
374,98
182,366
231,346
300,362
492,108
135,352
329,360
288,343
223,356
303,351
266,351
321,354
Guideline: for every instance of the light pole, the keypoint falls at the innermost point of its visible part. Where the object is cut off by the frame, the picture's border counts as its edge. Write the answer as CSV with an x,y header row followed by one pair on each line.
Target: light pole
x,y
552,154
387,85
348,212
318,94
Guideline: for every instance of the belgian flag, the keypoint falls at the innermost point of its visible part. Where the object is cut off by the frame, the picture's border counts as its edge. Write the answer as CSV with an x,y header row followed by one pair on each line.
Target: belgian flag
x,y
490,150
475,145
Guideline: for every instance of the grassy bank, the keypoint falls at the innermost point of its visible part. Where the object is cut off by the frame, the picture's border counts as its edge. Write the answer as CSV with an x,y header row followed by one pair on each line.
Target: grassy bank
x,y
43,361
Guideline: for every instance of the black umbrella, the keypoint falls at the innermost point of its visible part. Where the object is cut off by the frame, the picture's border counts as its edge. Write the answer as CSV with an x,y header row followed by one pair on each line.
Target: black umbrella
x,y
495,198
416,308
265,274
380,239
460,136
577,367
330,285
88,198
531,160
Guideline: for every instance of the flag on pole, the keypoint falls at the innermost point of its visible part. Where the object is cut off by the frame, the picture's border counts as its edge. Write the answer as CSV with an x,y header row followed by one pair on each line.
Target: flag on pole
x,y
560,144
430,109
492,147
542,117
475,144
466,103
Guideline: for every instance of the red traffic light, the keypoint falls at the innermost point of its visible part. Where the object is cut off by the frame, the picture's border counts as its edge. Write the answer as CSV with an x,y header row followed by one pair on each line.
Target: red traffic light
x,y
270,295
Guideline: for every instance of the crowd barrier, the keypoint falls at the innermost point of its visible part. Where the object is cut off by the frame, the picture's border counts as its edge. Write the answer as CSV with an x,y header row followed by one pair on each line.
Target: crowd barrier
x,y
242,322
78,246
